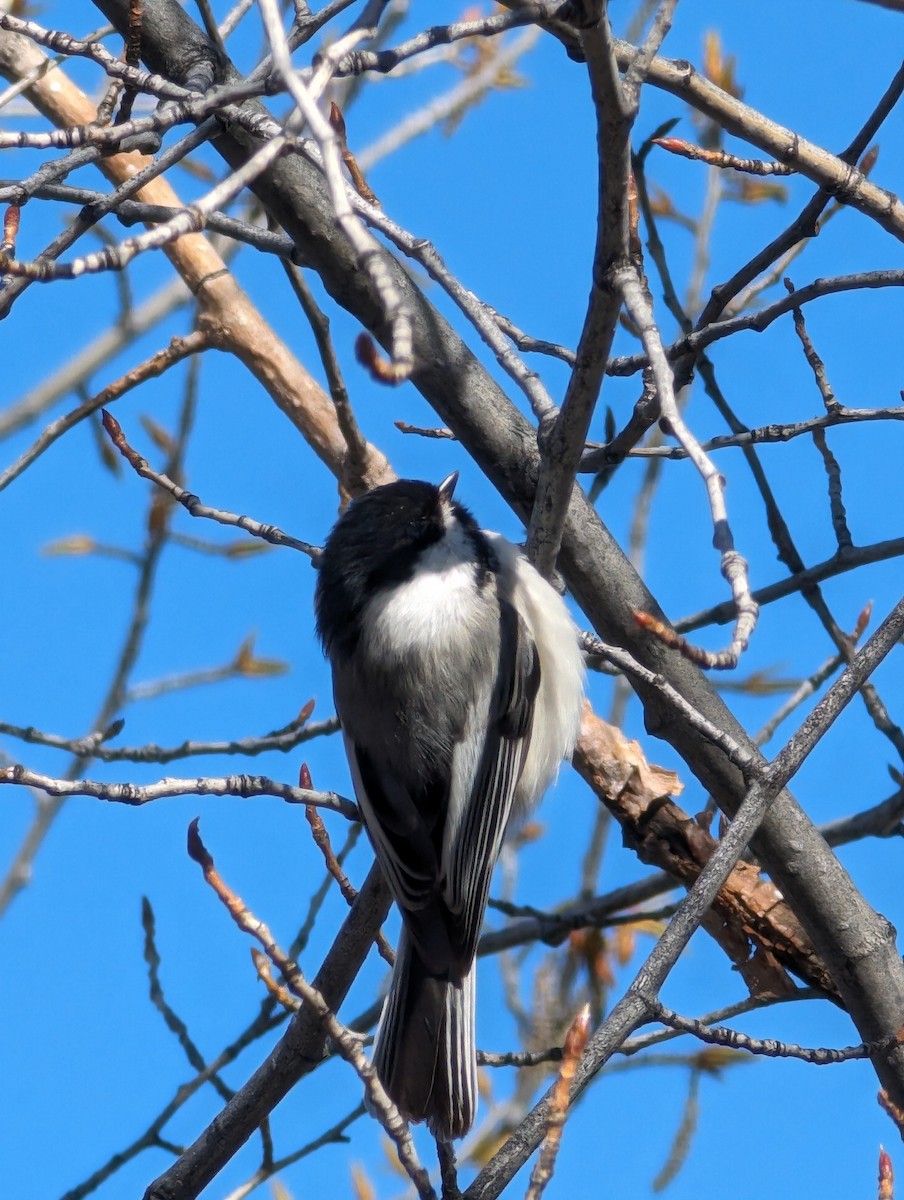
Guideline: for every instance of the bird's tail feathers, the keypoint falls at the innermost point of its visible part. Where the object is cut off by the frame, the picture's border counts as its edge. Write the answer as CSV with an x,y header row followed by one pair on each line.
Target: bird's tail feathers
x,y
425,1053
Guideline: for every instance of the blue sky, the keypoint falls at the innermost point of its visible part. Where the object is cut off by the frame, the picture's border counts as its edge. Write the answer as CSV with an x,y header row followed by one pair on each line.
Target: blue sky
x,y
509,201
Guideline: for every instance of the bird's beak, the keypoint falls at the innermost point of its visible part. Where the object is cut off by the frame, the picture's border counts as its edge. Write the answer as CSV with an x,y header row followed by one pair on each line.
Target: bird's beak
x,y
447,487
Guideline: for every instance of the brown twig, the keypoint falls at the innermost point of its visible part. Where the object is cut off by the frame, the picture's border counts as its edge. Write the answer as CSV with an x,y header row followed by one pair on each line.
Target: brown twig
x,y
440,434
896,1114
280,994
132,55
360,184
575,1042
10,230
681,1142
382,369
721,158
179,349
349,892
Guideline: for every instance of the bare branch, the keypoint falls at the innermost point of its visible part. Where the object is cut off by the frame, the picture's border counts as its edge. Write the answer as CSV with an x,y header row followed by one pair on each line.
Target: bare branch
x,y
384,61
233,323
709,333
718,1035
191,503
817,164
370,258
349,893
135,794
596,458
838,564
345,1042
67,46
179,349
562,435
294,734
734,567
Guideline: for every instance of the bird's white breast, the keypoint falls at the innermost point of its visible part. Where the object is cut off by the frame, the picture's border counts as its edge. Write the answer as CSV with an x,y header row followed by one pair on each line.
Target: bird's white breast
x,y
435,609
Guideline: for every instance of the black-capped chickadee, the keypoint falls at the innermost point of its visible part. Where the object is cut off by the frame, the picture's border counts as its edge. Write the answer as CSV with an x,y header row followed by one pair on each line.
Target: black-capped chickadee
x,y
458,682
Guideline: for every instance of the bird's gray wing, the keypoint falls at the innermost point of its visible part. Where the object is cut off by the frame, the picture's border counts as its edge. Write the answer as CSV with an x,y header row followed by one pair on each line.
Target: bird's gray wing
x,y
483,785
398,827
402,788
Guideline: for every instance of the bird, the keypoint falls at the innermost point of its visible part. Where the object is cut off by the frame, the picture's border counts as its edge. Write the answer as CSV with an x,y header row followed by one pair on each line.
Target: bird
x,y
458,682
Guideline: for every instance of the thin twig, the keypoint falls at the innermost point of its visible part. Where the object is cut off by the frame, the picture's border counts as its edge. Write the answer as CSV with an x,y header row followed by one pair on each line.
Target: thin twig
x,y
178,349
173,1022
288,738
575,1041
349,892
718,1035
353,479
192,504
135,795
838,564
721,158
370,257
562,436
343,1039
734,567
